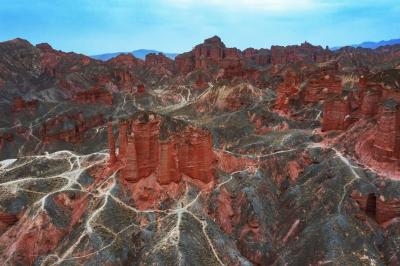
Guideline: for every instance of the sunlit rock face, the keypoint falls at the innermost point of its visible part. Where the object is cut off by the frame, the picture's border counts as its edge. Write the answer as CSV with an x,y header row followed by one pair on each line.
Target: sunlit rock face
x,y
387,143
281,156
304,52
142,152
287,90
69,128
322,83
336,114
93,96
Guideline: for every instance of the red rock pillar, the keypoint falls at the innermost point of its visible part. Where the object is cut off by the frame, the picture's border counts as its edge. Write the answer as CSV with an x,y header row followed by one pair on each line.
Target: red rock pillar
x,y
142,134
197,158
130,172
336,114
123,142
111,143
206,158
386,144
154,144
183,153
192,168
369,102
168,164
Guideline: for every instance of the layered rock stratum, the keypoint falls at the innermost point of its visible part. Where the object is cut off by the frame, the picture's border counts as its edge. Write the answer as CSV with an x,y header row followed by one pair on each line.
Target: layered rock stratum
x,y
281,156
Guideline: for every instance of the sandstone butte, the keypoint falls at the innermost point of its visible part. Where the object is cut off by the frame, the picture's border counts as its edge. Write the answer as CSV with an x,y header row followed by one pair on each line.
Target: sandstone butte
x,y
142,153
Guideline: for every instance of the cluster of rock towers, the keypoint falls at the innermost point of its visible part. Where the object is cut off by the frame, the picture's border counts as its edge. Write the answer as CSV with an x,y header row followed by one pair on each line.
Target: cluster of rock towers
x,y
142,152
372,101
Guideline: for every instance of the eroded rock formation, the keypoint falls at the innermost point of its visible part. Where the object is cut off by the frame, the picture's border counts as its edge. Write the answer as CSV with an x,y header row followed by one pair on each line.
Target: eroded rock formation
x,y
19,105
337,112
160,60
381,205
143,153
69,127
93,96
287,90
387,141
323,83
305,52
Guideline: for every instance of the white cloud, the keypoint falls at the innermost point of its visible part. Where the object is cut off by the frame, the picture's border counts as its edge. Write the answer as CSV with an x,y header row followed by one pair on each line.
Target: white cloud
x,y
253,5
281,6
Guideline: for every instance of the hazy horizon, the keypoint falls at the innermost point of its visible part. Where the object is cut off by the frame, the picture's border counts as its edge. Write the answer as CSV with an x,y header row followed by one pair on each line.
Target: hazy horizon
x,y
175,26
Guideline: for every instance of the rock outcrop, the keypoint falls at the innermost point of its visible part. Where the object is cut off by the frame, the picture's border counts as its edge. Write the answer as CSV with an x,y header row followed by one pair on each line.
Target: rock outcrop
x,y
370,95
93,96
337,112
287,90
111,143
69,127
213,55
143,153
387,141
322,83
303,53
160,60
20,105
381,206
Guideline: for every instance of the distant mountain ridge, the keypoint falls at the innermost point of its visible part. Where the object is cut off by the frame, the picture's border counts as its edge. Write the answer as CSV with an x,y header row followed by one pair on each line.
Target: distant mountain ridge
x,y
141,54
371,45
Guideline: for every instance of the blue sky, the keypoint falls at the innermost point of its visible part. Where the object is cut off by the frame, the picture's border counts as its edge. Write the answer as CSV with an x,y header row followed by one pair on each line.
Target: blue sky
x,y
100,26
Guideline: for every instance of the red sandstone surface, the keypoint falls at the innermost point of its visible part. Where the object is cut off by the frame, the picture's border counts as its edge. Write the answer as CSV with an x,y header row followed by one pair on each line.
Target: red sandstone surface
x,y
93,96
69,128
19,105
154,168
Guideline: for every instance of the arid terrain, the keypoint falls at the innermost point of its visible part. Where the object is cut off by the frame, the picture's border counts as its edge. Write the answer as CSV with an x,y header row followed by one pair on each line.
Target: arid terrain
x,y
281,156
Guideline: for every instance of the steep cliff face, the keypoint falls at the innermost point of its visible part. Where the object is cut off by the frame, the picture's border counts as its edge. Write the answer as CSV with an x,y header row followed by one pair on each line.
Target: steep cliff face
x,y
287,90
370,118
381,204
213,56
322,83
160,60
111,143
305,52
93,96
337,112
143,153
370,96
387,144
69,127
